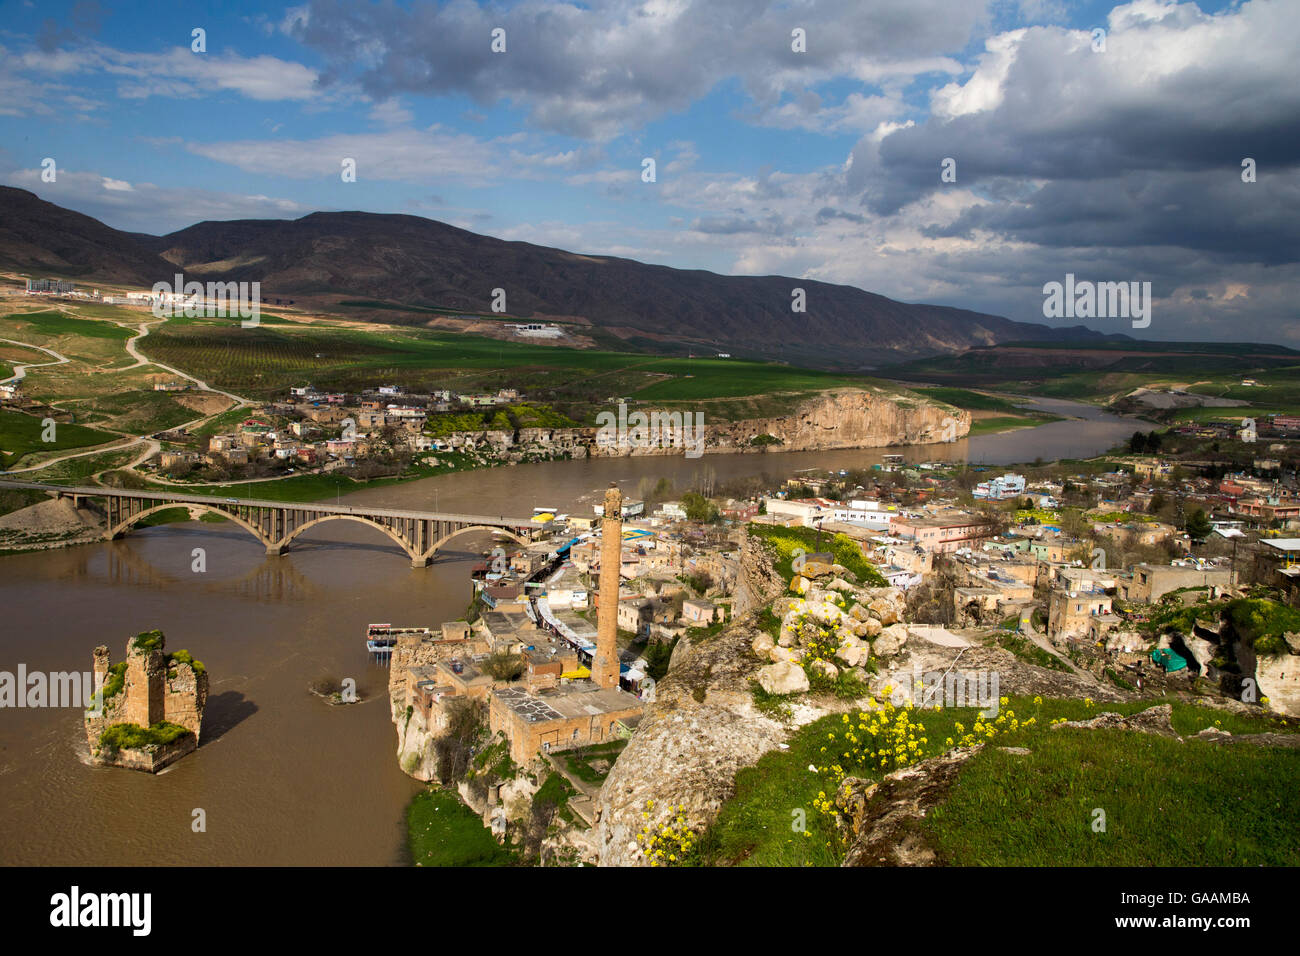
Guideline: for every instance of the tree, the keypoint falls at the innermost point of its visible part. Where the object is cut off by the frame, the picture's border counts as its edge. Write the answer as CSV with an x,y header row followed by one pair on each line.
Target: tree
x,y
699,508
1198,526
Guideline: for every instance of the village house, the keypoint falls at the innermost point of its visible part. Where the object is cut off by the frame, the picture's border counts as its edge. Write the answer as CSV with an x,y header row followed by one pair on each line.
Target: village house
x,y
1070,613
942,534
698,612
1151,582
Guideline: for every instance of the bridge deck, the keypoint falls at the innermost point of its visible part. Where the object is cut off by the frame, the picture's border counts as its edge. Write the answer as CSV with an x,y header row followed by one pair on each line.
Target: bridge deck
x,y
315,508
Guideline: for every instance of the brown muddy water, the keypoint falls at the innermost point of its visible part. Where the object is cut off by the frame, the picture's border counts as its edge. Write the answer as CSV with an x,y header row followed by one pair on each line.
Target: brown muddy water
x,y
283,778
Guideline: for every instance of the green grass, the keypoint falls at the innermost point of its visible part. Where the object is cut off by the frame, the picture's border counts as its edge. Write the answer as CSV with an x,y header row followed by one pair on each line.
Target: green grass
x,y
166,516
301,488
15,499
184,657
754,827
134,737
1030,652
20,435
141,413
786,541
442,831
60,324
1166,803
1002,423
975,401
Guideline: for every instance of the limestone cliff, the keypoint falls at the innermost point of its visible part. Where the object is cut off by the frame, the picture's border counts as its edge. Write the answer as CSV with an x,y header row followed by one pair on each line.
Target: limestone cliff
x,y
847,418
835,419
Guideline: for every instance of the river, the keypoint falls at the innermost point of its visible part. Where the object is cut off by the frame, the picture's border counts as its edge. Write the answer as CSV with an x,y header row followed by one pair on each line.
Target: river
x,y
283,778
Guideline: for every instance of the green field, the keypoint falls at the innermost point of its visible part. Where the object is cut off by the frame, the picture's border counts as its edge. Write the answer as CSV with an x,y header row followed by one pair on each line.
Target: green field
x,y
263,362
138,412
20,435
974,401
58,323
321,487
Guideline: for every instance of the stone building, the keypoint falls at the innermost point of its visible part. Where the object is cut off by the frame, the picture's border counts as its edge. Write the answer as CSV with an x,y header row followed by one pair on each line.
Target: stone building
x,y
1071,614
152,712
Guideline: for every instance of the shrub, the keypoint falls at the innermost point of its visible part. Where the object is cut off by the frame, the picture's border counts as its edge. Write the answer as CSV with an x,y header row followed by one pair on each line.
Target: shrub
x,y
134,737
183,657
147,640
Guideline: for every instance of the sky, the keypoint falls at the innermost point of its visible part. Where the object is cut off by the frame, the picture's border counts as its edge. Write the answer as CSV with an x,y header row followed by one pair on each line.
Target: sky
x,y
958,152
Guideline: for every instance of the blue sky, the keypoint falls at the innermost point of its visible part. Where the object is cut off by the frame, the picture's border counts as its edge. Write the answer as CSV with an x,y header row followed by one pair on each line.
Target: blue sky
x,y
1114,164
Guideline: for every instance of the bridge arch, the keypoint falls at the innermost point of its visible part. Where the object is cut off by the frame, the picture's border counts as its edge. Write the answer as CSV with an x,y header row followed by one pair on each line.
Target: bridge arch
x,y
123,526
397,538
428,555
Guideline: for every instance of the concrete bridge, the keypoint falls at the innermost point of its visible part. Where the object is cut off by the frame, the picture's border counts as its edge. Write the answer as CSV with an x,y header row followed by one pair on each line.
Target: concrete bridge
x,y
276,523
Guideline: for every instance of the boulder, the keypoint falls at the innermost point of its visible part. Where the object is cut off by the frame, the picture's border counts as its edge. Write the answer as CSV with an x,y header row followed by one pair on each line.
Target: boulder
x,y
763,645
854,652
884,611
898,632
890,641
868,629
816,569
784,677
779,654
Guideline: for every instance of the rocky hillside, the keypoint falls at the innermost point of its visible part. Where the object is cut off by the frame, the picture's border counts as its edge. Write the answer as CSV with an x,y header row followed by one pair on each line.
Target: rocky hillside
x,y
706,724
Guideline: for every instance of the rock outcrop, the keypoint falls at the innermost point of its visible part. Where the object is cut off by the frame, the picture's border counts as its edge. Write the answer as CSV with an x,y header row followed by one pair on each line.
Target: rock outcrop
x,y
881,819
1278,676
702,729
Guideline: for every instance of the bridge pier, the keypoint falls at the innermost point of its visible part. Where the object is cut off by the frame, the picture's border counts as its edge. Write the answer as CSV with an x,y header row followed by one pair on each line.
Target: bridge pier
x,y
421,561
275,549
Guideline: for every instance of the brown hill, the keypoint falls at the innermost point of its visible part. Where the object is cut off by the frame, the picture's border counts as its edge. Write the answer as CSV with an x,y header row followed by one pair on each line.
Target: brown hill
x,y
41,238
409,261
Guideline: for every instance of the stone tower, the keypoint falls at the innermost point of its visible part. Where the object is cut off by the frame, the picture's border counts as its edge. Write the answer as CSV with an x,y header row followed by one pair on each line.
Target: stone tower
x,y
604,665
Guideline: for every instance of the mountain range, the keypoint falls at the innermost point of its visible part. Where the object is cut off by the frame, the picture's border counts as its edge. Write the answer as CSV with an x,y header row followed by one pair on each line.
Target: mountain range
x,y
399,268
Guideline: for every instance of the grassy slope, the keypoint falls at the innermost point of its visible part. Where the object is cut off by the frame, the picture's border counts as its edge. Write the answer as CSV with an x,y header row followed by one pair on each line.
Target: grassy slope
x,y
442,831
1166,803
754,827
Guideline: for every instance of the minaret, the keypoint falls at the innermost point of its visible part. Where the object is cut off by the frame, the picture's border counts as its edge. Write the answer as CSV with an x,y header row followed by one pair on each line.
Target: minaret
x,y
604,665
